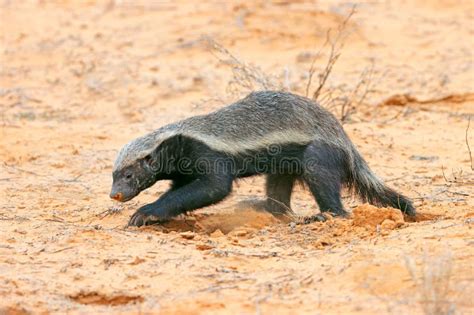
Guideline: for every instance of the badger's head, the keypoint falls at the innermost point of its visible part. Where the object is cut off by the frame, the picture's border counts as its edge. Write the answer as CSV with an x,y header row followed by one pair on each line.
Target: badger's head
x,y
135,169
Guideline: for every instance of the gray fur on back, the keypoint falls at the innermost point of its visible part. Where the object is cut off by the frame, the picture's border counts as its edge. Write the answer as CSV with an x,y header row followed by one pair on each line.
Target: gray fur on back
x,y
257,121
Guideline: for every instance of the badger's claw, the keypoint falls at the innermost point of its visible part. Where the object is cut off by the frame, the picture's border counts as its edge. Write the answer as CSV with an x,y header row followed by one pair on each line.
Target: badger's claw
x,y
138,219
144,216
315,218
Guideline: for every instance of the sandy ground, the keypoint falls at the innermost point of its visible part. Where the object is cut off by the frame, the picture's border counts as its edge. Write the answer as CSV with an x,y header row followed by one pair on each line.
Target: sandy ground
x,y
81,78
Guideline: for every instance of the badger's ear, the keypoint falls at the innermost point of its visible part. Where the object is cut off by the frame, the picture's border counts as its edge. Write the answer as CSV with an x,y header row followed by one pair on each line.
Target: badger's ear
x,y
148,160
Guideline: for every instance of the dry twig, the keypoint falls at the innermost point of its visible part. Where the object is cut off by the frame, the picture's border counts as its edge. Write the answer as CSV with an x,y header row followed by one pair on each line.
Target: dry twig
x,y
338,98
336,46
246,77
467,143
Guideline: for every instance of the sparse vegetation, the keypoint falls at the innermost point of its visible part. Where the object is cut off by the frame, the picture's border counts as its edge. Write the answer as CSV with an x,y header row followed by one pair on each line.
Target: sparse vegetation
x,y
433,283
340,99
245,77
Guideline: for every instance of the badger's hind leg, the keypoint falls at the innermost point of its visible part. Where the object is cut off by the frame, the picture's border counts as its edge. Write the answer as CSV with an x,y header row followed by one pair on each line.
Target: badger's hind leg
x,y
324,171
279,188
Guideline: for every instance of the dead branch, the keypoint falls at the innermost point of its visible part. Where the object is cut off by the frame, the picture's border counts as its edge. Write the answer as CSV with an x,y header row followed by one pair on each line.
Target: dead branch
x,y
459,178
337,97
366,81
246,77
333,56
349,105
312,68
115,209
336,46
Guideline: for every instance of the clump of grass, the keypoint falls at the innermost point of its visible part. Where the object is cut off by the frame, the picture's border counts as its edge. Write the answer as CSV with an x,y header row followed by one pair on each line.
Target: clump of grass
x,y
432,281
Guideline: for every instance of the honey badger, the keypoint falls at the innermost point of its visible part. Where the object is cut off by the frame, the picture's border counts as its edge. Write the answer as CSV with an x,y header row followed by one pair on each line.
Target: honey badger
x,y
282,135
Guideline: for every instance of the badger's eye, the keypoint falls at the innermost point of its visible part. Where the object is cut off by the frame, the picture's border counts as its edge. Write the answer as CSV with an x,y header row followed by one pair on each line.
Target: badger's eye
x,y
128,176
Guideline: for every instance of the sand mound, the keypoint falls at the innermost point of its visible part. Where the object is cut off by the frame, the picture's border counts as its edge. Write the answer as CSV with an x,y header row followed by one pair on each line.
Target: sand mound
x,y
225,221
367,220
370,217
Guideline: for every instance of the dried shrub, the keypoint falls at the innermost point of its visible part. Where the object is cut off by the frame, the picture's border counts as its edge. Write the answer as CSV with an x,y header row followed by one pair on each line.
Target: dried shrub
x,y
432,281
245,77
339,99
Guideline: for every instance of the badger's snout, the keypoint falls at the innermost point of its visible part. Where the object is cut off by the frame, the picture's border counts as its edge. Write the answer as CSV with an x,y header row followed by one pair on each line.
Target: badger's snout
x,y
122,193
116,196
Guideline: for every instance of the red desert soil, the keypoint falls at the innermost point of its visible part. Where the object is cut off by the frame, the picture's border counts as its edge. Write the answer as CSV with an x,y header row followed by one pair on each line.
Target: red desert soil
x,y
81,78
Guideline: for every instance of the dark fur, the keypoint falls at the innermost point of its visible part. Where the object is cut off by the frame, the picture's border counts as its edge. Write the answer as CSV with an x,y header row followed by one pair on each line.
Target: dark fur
x,y
323,167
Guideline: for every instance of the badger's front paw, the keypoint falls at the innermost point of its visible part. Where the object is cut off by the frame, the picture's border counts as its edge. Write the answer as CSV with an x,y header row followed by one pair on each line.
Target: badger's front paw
x,y
138,219
315,218
144,216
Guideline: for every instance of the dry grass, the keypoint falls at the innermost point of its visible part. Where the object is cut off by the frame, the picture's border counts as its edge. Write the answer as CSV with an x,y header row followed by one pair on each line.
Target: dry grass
x,y
432,281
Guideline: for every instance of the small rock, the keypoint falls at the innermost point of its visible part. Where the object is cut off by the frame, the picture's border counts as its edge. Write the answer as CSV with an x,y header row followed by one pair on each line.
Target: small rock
x,y
187,235
241,233
190,220
423,158
305,56
388,224
204,246
137,261
217,233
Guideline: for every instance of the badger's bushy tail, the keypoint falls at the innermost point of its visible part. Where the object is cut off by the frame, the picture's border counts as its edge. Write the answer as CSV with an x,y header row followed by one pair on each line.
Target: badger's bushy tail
x,y
371,189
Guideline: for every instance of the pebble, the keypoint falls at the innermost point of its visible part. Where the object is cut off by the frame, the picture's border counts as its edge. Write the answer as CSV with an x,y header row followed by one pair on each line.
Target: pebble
x,y
204,246
217,233
187,235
